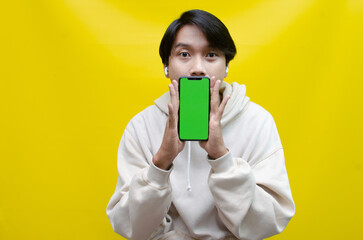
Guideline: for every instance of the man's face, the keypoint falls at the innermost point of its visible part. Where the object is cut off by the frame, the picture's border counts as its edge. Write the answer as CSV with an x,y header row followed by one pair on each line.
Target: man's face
x,y
191,55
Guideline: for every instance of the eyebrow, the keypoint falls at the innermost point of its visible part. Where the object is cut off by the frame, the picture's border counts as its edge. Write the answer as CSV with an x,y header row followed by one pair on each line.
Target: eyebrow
x,y
181,45
188,45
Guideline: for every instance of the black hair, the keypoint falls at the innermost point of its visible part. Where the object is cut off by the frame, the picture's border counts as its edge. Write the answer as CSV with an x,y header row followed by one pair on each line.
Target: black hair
x,y
214,30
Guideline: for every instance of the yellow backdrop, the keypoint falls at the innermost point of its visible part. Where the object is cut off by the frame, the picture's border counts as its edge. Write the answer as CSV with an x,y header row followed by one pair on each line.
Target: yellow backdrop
x,y
74,72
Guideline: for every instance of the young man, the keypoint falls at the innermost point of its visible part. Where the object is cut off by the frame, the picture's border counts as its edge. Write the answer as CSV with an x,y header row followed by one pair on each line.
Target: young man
x,y
240,188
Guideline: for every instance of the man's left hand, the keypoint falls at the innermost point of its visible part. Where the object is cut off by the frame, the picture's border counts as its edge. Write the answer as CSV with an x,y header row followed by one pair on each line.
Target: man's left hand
x,y
215,145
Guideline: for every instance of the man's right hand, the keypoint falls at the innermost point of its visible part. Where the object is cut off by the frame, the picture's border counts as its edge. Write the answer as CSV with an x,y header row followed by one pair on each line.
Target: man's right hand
x,y
171,145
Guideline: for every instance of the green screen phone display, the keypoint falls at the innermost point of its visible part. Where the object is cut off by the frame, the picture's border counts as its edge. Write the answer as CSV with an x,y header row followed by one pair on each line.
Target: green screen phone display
x,y
194,108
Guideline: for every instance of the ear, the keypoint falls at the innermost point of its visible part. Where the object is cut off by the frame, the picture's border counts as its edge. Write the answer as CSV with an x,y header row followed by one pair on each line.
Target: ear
x,y
225,75
166,71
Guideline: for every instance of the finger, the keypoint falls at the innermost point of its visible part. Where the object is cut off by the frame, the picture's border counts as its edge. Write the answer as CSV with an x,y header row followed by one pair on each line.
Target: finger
x,y
172,94
216,90
223,105
175,84
171,118
171,90
215,97
212,81
216,85
176,87
173,106
175,94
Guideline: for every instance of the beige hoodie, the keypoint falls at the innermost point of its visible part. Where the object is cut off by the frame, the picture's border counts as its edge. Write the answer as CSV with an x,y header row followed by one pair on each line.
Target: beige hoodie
x,y
245,194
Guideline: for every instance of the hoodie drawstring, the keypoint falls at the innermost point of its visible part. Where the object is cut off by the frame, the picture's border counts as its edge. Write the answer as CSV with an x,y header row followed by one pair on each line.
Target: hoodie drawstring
x,y
189,187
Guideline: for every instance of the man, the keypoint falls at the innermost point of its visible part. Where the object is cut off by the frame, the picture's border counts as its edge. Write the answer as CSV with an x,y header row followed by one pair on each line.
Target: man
x,y
240,188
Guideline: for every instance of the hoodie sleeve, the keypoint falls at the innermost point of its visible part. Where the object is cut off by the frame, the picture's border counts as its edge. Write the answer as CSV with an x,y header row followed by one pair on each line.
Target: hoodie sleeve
x,y
253,198
142,197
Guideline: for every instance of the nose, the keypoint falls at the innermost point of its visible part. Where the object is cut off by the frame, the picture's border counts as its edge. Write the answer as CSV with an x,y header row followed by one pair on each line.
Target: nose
x,y
197,68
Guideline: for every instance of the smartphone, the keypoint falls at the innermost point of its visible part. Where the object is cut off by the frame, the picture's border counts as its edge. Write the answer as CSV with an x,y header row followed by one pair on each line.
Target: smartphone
x,y
194,108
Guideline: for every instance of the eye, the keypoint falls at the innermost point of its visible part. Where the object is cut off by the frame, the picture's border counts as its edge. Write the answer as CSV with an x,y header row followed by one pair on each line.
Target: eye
x,y
184,54
211,55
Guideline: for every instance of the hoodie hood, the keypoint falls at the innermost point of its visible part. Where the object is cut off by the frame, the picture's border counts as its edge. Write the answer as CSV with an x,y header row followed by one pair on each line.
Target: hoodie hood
x,y
236,104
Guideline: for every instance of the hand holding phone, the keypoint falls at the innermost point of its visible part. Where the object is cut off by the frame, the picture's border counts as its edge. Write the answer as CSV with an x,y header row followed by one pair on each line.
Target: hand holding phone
x,y
215,146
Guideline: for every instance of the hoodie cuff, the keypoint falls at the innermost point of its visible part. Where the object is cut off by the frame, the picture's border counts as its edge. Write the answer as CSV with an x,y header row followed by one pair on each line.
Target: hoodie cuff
x,y
157,176
223,164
